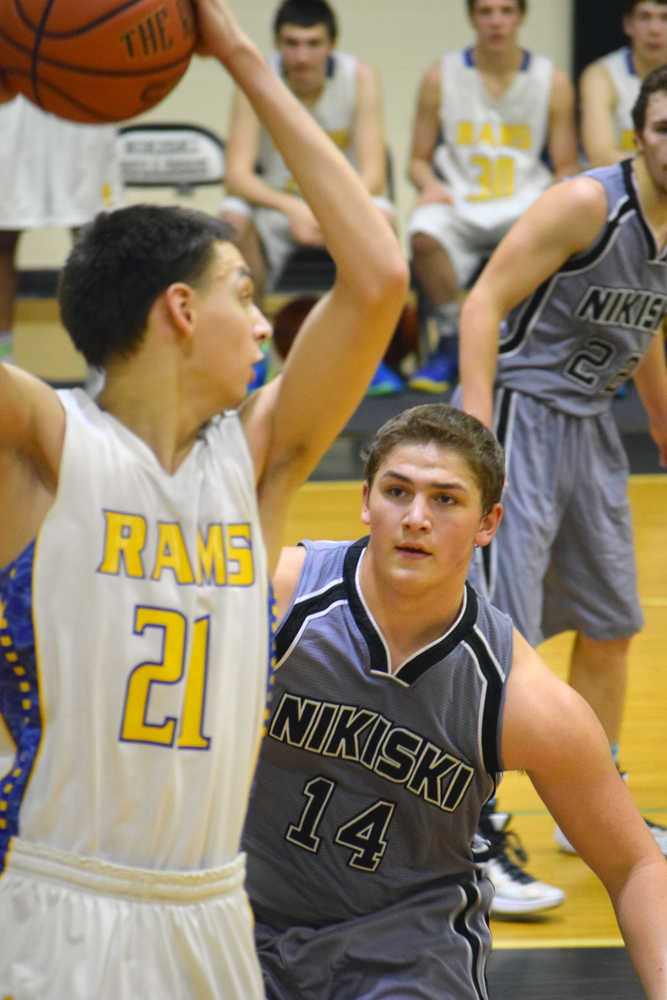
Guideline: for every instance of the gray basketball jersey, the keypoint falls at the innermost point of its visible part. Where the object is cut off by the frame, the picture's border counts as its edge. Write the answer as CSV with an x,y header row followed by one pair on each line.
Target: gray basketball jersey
x,y
621,68
333,111
583,332
368,793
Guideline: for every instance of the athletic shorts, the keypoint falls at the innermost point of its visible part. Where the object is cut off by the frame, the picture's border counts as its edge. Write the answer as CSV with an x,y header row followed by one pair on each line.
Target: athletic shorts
x,y
274,232
563,557
405,951
84,929
467,243
54,172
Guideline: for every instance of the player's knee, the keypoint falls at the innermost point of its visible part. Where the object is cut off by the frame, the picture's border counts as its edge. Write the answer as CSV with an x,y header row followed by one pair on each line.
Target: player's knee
x,y
424,245
240,224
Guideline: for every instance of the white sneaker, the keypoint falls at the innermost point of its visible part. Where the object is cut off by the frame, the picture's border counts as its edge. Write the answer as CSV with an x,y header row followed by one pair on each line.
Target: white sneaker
x,y
658,832
516,891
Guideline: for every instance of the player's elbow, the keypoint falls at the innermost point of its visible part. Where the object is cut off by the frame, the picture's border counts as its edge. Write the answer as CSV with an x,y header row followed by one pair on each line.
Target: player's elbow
x,y
390,277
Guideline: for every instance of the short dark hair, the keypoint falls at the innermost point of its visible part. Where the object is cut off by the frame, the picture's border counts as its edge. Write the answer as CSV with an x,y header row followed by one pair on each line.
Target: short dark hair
x,y
119,264
305,14
654,82
450,428
630,5
522,4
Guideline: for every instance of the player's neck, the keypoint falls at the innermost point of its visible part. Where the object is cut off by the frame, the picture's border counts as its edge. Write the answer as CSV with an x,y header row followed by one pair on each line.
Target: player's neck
x,y
644,66
143,402
310,96
498,63
653,200
409,617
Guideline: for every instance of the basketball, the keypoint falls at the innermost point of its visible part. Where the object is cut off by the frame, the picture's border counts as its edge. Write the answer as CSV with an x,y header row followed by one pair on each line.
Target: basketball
x,y
95,60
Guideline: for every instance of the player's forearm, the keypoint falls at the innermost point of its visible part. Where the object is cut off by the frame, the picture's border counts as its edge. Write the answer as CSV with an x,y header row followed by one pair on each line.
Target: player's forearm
x,y
249,186
641,910
421,173
478,354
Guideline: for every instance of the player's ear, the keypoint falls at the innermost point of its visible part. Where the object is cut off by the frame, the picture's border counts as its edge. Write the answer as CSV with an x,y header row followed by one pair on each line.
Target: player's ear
x,y
180,306
489,525
365,513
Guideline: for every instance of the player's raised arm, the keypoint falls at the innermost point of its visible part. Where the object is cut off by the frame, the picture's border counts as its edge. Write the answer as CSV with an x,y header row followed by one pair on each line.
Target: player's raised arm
x,y
563,221
344,337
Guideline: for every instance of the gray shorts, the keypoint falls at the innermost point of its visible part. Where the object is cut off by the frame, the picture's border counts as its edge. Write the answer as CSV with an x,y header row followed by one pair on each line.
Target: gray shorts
x,y
563,557
432,945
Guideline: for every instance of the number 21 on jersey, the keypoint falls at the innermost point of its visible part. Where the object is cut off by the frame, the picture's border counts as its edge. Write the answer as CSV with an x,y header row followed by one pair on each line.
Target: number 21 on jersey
x,y
172,668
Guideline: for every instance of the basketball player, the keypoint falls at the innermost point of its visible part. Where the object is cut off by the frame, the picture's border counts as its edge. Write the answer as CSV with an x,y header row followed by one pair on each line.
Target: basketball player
x,y
136,539
578,290
54,173
269,216
609,86
399,695
485,116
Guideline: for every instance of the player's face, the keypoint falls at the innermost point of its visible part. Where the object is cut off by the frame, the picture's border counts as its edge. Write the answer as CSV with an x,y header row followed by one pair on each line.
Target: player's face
x,y
652,142
497,23
646,27
424,510
230,327
304,53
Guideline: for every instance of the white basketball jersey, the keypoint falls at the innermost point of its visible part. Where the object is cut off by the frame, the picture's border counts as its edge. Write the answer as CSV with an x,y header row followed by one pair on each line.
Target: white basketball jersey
x,y
491,149
54,172
621,68
137,730
333,111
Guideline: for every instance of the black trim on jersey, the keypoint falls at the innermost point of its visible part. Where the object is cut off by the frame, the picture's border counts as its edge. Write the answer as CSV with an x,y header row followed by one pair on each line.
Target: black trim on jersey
x,y
461,927
293,622
492,702
503,411
413,669
532,304
347,590
376,648
590,257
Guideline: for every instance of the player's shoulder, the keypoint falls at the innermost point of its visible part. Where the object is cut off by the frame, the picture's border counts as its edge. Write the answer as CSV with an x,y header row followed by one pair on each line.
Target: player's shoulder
x,y
595,73
433,73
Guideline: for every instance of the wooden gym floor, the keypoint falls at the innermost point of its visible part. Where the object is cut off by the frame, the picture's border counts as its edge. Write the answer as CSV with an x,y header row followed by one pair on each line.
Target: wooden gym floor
x,y
574,951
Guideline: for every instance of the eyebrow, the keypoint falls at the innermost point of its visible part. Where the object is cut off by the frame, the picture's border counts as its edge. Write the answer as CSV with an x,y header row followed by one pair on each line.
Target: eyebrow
x,y
434,484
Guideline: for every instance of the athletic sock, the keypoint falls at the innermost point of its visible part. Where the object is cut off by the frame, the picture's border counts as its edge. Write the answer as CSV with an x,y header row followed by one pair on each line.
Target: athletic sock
x,y
6,346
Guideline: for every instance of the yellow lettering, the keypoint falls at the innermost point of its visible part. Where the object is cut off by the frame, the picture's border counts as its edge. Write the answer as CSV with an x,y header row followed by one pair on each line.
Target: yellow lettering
x,y
628,141
172,554
465,134
341,137
211,557
486,134
239,555
124,542
515,136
